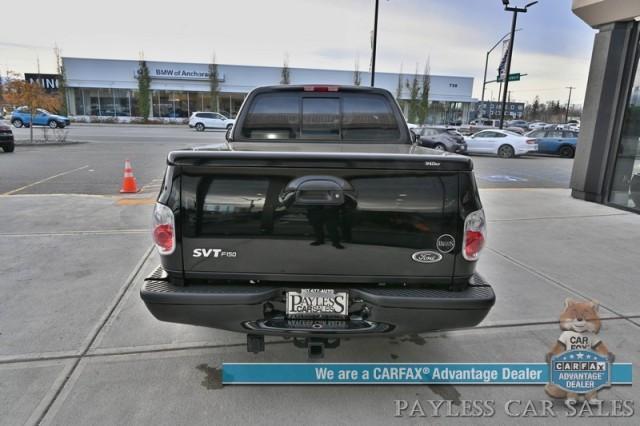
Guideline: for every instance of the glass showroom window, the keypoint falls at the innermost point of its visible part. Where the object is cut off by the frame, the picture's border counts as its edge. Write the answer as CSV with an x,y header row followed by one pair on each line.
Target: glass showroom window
x,y
194,102
78,94
107,107
121,98
625,185
135,112
163,103
92,101
179,104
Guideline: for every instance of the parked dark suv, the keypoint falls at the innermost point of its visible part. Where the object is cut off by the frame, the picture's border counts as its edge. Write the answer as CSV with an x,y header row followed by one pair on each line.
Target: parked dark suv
x,y
441,139
6,138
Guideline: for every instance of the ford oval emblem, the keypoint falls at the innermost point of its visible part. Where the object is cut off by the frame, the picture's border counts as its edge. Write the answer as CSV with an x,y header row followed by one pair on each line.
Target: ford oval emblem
x,y
427,256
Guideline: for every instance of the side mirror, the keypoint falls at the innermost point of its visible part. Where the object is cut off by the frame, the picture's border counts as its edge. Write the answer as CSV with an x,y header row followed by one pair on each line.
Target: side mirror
x,y
229,135
414,137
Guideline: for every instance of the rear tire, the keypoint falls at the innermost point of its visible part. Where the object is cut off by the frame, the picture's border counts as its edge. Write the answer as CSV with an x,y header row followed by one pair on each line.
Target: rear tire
x,y
9,148
53,124
439,147
17,123
199,127
506,151
567,152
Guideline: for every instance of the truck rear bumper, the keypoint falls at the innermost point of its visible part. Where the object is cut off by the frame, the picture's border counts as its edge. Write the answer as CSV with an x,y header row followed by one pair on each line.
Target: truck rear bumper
x,y
373,311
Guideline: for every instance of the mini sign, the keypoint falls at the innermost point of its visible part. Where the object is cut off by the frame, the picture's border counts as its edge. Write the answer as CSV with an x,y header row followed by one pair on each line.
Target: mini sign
x,y
49,82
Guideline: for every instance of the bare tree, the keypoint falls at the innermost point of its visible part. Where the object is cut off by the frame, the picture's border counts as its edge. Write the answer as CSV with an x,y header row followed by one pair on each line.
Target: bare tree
x,y
32,96
357,75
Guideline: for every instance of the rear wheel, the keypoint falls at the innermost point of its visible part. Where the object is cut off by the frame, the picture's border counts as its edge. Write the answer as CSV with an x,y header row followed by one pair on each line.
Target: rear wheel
x,y
53,124
17,123
439,147
506,151
566,152
200,127
9,148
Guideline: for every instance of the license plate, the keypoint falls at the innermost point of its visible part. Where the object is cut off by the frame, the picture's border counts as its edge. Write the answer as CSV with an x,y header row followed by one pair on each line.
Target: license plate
x,y
317,303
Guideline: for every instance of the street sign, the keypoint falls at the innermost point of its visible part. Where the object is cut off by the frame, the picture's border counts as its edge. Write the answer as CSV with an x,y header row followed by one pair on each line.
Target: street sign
x,y
512,77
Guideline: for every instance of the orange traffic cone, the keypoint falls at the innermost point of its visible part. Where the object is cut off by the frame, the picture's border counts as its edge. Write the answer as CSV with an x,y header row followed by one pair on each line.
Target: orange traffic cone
x,y
129,184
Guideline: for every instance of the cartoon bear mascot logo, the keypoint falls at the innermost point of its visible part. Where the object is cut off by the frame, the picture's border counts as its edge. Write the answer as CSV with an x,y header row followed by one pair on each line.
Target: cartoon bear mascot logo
x,y
580,325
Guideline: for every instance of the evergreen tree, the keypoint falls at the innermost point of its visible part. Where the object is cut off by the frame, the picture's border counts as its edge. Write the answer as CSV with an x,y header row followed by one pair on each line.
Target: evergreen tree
x,y
284,75
414,95
144,90
62,83
399,87
214,86
535,108
425,89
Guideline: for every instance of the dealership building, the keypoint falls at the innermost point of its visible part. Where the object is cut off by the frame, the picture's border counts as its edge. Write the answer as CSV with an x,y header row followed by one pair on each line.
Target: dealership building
x,y
606,168
108,88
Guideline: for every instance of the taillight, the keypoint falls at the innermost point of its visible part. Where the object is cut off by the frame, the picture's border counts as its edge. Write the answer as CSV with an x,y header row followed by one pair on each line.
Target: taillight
x,y
531,141
475,234
320,88
164,234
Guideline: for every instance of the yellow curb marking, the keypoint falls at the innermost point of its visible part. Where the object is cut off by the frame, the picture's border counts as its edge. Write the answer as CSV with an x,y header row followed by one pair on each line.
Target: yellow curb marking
x,y
136,201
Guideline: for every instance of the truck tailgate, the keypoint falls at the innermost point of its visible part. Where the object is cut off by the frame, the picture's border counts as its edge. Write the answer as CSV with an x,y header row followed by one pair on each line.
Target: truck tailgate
x,y
359,222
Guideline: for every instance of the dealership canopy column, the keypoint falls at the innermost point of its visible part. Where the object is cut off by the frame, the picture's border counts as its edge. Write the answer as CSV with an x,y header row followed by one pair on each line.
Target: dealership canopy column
x,y
607,164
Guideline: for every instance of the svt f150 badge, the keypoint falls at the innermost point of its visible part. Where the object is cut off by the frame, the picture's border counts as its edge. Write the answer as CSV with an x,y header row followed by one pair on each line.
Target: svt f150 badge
x,y
203,252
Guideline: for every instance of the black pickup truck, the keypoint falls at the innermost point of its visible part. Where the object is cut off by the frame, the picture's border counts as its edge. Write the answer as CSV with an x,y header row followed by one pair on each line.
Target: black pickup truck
x,y
319,218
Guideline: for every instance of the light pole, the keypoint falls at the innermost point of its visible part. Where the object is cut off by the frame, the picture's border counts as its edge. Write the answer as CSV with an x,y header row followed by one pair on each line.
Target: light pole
x,y
515,11
375,41
566,115
486,63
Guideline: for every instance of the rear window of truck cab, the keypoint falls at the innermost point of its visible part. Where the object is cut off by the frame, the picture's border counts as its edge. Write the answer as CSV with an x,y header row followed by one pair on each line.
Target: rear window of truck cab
x,y
331,117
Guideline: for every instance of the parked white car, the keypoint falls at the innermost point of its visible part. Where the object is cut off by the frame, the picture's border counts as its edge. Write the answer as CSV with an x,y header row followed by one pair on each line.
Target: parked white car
x,y
573,125
503,143
537,125
209,120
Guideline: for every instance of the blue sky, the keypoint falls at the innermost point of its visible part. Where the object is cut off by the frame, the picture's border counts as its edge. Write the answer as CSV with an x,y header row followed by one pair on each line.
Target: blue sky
x,y
554,47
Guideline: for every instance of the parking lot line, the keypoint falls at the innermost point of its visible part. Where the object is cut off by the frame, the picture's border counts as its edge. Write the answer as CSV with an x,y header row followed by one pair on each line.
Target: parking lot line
x,y
44,180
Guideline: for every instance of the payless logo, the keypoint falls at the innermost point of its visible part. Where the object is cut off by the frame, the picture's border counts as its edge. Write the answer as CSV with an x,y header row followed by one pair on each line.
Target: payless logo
x,y
215,253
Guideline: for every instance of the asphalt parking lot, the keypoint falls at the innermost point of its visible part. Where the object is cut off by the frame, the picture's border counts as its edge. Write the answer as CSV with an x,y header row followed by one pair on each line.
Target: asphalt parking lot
x,y
77,346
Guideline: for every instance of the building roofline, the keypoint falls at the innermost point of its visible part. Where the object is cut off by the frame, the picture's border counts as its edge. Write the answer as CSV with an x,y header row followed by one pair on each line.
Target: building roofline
x,y
262,66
